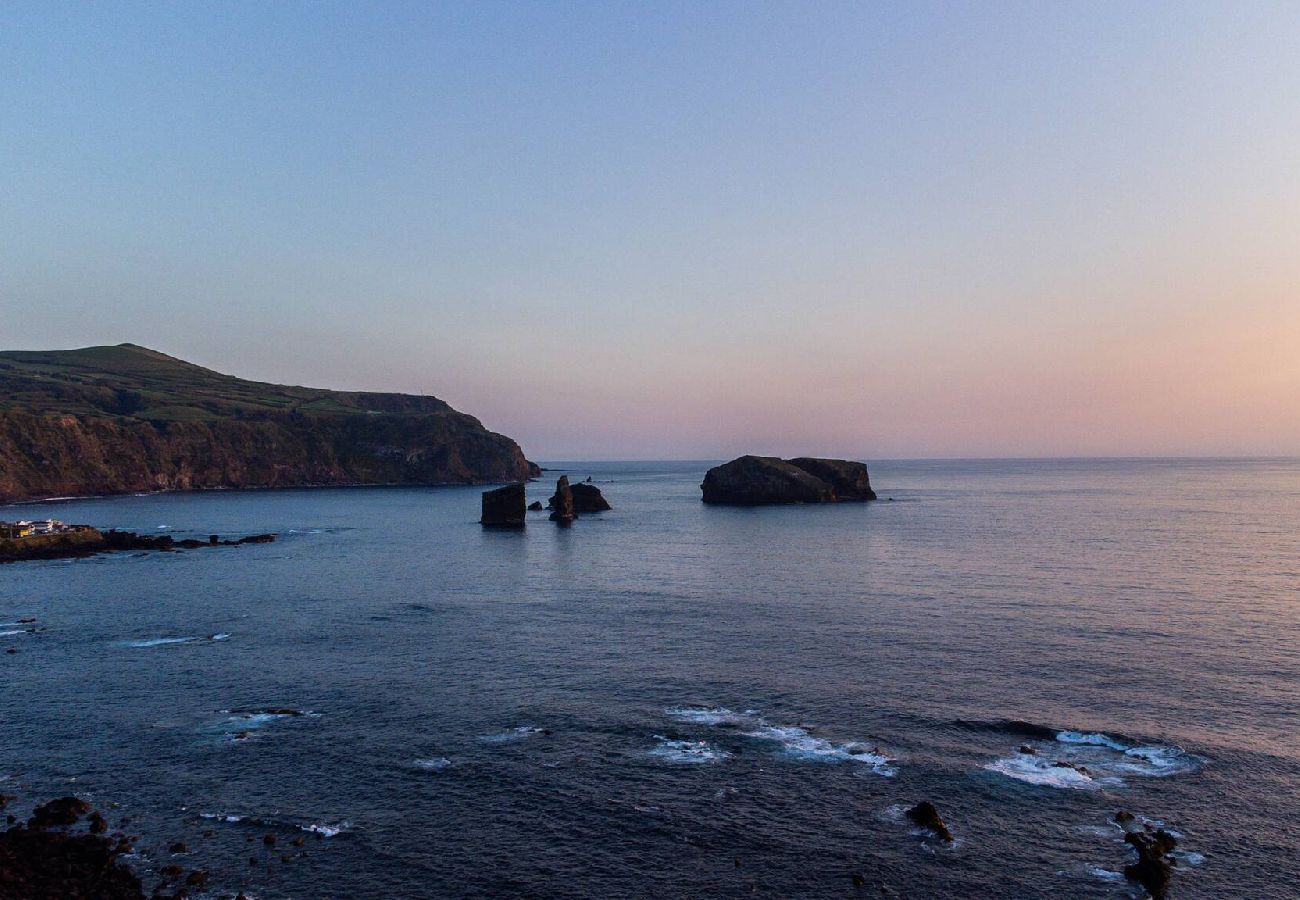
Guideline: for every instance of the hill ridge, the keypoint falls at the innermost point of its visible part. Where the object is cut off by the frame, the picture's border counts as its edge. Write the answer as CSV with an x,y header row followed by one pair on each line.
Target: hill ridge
x,y
125,417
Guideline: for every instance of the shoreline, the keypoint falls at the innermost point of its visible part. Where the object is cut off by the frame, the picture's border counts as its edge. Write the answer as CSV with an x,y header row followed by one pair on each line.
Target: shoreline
x,y
352,485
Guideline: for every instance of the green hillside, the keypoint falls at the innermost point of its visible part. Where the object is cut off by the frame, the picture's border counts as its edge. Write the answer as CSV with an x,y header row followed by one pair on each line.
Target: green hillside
x,y
131,381
106,420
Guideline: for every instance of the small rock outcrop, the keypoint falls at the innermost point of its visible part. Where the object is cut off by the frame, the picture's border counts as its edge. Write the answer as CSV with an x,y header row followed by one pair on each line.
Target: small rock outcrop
x,y
925,815
760,480
1154,847
535,506
504,507
587,498
562,507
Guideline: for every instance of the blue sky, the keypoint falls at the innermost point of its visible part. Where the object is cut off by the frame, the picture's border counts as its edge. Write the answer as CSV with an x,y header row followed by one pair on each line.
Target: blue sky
x,y
683,230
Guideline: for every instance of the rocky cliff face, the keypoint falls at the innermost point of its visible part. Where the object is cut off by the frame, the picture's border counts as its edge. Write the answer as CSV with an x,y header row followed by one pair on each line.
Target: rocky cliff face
x,y
125,419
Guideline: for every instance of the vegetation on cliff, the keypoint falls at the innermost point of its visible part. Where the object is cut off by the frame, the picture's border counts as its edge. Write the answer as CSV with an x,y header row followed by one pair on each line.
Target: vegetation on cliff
x,y
104,420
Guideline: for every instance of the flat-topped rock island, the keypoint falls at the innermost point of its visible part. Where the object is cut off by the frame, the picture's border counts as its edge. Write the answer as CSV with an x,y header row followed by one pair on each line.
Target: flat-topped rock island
x,y
764,480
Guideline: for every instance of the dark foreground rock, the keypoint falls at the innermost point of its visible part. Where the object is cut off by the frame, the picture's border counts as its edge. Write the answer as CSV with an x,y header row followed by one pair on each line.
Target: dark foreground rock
x,y
40,861
87,541
587,498
1155,862
759,480
925,815
504,507
562,507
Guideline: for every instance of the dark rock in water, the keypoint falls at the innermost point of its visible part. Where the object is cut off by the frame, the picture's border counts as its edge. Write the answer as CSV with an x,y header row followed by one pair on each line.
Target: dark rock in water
x,y
535,506
83,541
39,864
848,479
504,507
587,498
178,847
1154,865
57,813
756,480
562,508
925,815
1025,748
1123,818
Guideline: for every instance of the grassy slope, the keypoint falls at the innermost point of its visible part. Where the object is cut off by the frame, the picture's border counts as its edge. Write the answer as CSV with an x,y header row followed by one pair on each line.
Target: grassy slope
x,y
106,420
135,382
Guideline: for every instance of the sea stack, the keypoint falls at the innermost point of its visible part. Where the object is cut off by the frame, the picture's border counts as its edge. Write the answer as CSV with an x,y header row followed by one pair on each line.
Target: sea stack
x,y
562,509
761,480
504,507
587,498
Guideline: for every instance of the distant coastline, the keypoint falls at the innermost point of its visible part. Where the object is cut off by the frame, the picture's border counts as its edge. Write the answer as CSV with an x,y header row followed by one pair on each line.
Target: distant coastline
x,y
126,419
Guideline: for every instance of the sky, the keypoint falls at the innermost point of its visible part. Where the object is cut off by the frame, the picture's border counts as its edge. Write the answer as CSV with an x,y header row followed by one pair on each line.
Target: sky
x,y
683,230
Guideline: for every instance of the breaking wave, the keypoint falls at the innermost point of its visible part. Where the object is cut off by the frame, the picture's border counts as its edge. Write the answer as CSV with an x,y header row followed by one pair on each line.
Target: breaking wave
x,y
143,643
511,734
687,751
434,764
796,741
1081,760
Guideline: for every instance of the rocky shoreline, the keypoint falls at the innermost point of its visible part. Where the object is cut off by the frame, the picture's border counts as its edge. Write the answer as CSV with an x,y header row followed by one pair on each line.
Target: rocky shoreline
x,y
87,541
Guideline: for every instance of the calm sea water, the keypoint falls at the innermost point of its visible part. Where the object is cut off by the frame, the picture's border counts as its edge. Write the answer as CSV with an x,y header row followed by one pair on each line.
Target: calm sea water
x,y
677,700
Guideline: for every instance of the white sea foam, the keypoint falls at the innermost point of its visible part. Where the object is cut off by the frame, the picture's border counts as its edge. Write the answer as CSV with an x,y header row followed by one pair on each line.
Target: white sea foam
x,y
794,740
1107,875
798,743
689,752
160,641
1107,760
326,830
435,764
256,720
711,715
221,817
511,734
1147,760
1094,739
12,633
1038,770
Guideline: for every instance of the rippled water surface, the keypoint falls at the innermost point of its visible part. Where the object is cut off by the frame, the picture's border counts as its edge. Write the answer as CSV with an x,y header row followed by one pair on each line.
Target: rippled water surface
x,y
677,700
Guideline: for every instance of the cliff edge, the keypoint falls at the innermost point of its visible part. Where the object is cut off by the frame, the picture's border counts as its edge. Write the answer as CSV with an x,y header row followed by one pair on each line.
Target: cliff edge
x,y
107,420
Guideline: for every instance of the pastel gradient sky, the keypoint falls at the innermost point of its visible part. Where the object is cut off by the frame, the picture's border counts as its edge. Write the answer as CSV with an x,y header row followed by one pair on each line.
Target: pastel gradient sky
x,y
657,230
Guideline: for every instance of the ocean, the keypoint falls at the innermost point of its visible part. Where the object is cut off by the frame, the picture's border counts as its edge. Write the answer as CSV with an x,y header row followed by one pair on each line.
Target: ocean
x,y
677,700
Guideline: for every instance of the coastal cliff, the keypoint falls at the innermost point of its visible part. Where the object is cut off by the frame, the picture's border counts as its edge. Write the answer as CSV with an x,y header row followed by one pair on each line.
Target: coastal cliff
x,y
106,420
